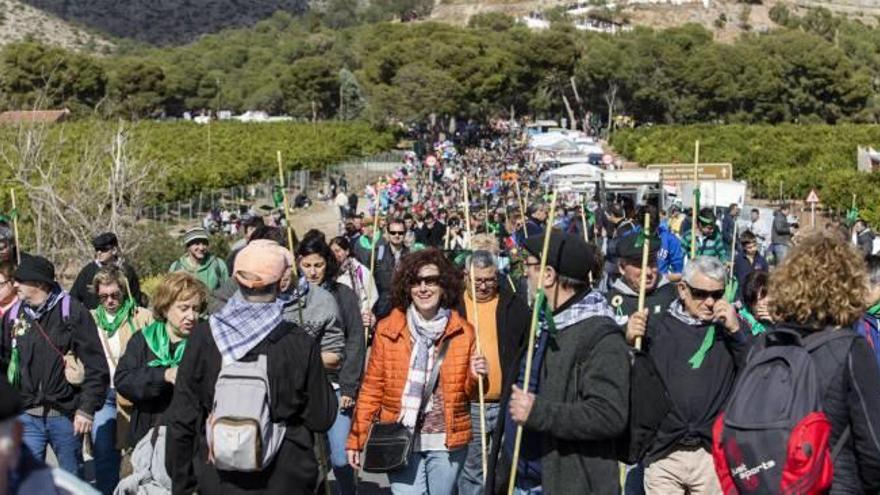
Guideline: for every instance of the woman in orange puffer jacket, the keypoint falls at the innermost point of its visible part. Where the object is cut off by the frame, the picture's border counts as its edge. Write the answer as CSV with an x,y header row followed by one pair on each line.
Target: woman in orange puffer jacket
x,y
425,287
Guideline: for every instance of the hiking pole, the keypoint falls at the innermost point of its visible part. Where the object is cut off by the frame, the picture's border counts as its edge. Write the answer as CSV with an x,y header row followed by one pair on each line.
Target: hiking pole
x,y
372,260
473,280
522,209
696,200
294,269
643,277
530,351
14,216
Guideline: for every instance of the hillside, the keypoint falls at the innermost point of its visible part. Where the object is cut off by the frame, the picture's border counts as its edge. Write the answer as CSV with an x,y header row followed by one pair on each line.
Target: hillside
x,y
19,21
165,22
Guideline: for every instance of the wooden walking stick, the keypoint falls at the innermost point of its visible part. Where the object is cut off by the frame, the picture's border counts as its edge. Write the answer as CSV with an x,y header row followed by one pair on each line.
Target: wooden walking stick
x,y
473,291
643,278
285,205
530,351
14,216
696,199
372,258
522,209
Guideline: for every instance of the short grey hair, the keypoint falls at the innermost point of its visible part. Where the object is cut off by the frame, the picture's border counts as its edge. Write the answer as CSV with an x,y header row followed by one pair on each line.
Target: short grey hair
x,y
482,260
709,266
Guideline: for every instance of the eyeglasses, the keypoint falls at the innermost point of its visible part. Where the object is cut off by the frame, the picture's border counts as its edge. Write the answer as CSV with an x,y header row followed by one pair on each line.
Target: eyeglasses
x,y
113,295
4,282
488,282
430,281
396,232
527,264
703,294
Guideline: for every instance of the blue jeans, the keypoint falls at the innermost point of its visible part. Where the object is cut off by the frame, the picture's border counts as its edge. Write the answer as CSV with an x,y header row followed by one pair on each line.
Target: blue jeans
x,y
634,480
471,480
434,472
56,431
779,252
107,458
338,434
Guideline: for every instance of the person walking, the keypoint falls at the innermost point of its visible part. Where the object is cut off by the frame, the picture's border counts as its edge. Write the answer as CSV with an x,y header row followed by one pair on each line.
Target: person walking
x,y
106,254
354,275
709,240
426,289
54,358
250,332
320,268
822,286
780,235
697,348
147,370
197,261
577,402
118,317
503,324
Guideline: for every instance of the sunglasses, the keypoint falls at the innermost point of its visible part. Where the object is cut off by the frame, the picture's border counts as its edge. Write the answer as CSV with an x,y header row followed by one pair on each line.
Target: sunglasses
x,y
430,281
396,232
115,295
702,294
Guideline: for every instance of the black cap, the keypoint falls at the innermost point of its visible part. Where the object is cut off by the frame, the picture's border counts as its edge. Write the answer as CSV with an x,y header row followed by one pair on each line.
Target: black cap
x,y
10,401
630,248
105,241
568,254
35,269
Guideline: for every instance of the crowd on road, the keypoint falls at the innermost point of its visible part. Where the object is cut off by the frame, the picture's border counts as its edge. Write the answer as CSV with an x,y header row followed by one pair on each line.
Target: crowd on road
x,y
465,331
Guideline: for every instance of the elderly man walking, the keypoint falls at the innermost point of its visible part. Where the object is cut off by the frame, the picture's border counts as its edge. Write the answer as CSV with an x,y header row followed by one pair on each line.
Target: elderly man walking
x,y
503,323
697,347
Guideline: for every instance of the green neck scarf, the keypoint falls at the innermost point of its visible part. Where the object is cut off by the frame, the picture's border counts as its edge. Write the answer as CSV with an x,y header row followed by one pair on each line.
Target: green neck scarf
x,y
697,359
122,315
159,343
874,310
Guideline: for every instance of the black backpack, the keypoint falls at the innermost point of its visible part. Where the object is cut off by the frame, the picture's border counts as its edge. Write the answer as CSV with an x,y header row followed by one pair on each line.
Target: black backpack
x,y
773,436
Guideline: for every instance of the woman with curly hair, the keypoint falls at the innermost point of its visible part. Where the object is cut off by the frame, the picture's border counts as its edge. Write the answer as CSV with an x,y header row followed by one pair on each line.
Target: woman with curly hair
x,y
821,287
425,288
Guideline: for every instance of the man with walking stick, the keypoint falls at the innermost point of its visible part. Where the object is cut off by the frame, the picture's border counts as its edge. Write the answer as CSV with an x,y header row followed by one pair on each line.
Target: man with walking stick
x,y
578,395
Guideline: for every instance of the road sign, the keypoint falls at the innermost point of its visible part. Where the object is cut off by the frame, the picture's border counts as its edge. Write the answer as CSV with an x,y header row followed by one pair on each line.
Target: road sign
x,y
679,172
813,197
607,159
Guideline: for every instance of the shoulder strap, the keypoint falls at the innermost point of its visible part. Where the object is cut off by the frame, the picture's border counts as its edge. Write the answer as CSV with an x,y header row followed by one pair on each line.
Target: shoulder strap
x,y
818,339
65,307
429,386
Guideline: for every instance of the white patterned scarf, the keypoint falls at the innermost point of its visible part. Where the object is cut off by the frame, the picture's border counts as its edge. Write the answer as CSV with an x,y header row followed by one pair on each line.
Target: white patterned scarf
x,y
425,334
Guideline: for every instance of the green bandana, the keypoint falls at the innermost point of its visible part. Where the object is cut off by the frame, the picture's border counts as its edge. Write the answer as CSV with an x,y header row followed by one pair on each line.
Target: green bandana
x,y
122,315
160,345
874,310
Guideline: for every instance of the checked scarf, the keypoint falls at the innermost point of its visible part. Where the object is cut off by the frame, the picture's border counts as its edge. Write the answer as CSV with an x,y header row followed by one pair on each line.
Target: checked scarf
x,y
425,333
241,325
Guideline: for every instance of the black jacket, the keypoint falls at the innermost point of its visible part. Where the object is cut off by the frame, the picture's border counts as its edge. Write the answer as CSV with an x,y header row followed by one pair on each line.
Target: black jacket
x,y
697,394
383,275
512,319
431,236
849,375
581,407
301,397
42,367
82,286
625,301
349,376
144,386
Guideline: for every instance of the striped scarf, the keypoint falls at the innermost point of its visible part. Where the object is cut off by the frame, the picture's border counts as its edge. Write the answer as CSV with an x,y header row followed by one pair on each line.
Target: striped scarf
x,y
425,334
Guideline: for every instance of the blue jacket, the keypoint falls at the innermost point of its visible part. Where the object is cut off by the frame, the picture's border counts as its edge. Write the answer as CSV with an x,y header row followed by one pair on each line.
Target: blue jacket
x,y
670,257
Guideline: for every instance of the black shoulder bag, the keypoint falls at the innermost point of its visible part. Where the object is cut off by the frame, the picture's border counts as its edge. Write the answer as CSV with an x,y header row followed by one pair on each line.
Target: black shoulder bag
x,y
389,444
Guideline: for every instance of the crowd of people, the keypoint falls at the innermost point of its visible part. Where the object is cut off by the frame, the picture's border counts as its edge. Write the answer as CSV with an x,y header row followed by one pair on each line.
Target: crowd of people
x,y
466,332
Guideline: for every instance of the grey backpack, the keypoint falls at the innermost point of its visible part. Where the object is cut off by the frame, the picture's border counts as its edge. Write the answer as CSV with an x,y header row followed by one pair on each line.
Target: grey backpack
x,y
240,432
